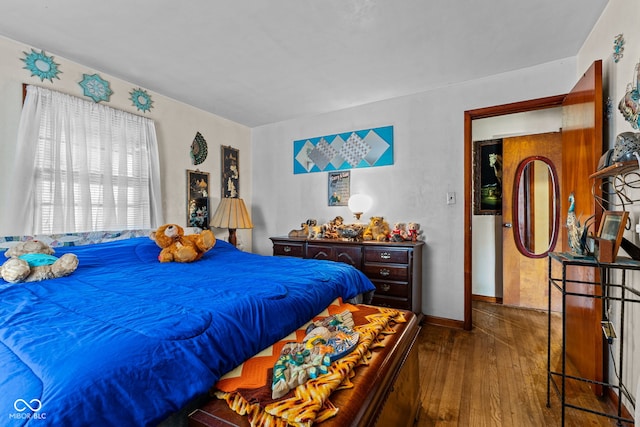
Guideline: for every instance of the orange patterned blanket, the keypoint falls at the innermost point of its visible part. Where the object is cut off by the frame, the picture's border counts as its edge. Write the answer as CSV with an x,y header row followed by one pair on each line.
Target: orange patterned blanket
x,y
247,389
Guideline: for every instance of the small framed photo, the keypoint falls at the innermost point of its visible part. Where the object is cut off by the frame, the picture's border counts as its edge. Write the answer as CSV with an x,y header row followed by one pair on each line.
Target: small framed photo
x,y
198,199
487,177
339,188
612,227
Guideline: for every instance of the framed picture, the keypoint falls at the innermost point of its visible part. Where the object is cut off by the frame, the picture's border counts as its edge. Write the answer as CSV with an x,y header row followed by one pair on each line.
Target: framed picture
x,y
230,172
198,199
339,188
487,177
612,227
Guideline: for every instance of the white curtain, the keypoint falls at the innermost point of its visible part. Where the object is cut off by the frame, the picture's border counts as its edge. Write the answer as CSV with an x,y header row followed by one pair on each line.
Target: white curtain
x,y
82,166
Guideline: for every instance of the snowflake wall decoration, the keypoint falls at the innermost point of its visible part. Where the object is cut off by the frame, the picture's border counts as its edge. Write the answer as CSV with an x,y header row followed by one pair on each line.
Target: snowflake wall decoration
x,y
95,87
41,65
141,99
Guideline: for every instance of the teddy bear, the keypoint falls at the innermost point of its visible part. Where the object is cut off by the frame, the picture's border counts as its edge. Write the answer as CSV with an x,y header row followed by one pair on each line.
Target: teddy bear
x,y
33,260
414,232
180,248
399,232
378,229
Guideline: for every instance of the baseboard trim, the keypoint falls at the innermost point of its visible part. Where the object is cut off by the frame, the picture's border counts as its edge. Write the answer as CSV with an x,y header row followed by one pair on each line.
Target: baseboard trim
x,y
613,405
484,298
441,321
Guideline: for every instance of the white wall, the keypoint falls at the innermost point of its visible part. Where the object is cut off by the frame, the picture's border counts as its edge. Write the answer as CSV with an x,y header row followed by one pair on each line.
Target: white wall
x,y
176,126
620,16
429,142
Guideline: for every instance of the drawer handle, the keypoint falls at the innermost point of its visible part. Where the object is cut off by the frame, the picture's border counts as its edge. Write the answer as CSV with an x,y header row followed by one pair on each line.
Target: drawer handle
x,y
287,249
385,272
385,287
385,255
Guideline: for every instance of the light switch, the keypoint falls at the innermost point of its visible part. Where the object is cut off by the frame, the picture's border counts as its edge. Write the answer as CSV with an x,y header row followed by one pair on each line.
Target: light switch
x,y
451,198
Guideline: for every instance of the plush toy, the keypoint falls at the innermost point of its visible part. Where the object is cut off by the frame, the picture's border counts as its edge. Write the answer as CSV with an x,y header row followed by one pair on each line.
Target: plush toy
x,y
414,231
332,227
378,229
33,260
180,248
303,232
399,232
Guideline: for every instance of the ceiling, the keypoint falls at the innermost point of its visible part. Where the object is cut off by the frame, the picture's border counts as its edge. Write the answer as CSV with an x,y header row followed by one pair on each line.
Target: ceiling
x,y
260,62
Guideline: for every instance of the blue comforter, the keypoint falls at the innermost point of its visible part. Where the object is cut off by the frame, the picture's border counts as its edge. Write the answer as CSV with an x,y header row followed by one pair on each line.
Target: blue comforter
x,y
126,340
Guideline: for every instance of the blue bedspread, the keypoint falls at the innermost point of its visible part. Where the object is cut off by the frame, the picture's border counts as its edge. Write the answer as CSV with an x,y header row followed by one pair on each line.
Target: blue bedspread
x,y
126,340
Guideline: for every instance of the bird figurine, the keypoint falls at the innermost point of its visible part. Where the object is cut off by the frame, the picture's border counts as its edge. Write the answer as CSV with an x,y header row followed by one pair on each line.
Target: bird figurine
x,y
577,233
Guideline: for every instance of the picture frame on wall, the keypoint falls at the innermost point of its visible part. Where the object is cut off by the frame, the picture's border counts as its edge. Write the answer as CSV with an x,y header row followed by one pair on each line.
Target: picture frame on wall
x,y
230,172
487,177
339,184
198,214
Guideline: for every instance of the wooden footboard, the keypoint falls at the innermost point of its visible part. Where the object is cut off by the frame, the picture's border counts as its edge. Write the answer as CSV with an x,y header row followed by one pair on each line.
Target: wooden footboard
x,y
386,392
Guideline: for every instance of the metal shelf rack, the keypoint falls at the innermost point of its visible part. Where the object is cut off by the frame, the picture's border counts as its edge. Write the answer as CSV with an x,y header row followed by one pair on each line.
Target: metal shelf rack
x,y
624,294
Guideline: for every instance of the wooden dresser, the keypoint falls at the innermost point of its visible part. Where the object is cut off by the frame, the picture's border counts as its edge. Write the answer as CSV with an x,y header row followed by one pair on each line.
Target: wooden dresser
x,y
394,268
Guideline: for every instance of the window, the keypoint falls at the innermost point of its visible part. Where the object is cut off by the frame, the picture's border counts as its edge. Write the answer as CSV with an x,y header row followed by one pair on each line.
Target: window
x,y
94,168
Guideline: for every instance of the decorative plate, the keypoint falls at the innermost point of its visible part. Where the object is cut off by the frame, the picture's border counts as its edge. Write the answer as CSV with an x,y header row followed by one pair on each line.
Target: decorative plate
x,y
198,149
41,65
141,99
95,87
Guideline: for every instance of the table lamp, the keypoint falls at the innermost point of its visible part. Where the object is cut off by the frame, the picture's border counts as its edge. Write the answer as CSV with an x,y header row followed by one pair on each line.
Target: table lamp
x,y
232,214
358,204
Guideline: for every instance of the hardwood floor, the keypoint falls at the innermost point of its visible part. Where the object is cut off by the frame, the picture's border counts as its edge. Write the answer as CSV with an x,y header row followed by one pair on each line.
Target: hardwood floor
x,y
496,374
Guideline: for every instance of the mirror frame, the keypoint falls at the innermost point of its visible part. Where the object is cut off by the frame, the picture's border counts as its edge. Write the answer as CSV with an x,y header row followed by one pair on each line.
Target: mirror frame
x,y
515,206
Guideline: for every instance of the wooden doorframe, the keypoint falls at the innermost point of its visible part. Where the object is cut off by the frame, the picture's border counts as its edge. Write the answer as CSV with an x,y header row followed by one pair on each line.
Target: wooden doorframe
x,y
469,116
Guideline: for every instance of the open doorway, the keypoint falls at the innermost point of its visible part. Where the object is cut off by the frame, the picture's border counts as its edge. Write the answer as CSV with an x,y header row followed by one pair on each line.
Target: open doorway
x,y
472,119
490,280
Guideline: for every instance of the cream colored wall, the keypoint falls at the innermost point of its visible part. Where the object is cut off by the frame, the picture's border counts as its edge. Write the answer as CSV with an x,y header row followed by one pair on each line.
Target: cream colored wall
x,y
176,126
620,16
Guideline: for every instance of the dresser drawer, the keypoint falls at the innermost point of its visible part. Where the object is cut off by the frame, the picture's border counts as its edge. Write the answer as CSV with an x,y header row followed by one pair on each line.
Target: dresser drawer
x,y
386,254
401,303
387,272
347,254
389,288
288,249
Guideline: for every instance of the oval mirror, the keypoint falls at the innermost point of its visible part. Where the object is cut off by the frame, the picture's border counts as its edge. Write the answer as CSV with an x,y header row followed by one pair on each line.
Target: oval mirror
x,y
536,211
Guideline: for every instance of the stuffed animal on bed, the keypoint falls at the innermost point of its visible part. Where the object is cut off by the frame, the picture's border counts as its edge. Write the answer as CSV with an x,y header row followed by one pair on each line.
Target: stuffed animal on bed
x,y
180,248
33,260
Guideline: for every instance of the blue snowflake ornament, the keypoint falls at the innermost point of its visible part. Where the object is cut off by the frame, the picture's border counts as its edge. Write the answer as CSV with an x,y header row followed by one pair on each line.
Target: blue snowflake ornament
x,y
41,65
95,87
141,100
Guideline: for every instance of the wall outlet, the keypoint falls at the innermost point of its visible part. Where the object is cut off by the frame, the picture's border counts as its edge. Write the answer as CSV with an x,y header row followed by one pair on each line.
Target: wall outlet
x,y
451,198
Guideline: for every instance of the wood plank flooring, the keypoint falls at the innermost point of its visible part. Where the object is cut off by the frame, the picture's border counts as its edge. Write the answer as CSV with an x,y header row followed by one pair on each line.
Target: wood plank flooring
x,y
496,374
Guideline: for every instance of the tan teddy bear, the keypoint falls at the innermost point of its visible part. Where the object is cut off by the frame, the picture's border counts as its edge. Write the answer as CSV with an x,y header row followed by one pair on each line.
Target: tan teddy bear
x,y
378,229
180,248
33,260
414,232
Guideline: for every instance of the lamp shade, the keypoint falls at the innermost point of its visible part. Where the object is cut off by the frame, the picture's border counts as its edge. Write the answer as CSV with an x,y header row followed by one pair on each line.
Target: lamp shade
x,y
359,203
231,213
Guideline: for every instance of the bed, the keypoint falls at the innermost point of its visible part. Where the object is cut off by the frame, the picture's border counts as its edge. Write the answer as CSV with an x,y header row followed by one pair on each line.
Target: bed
x,y
126,340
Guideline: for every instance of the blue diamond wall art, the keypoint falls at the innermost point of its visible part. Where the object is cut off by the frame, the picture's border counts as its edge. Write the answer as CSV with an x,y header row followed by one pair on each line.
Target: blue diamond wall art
x,y
348,150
